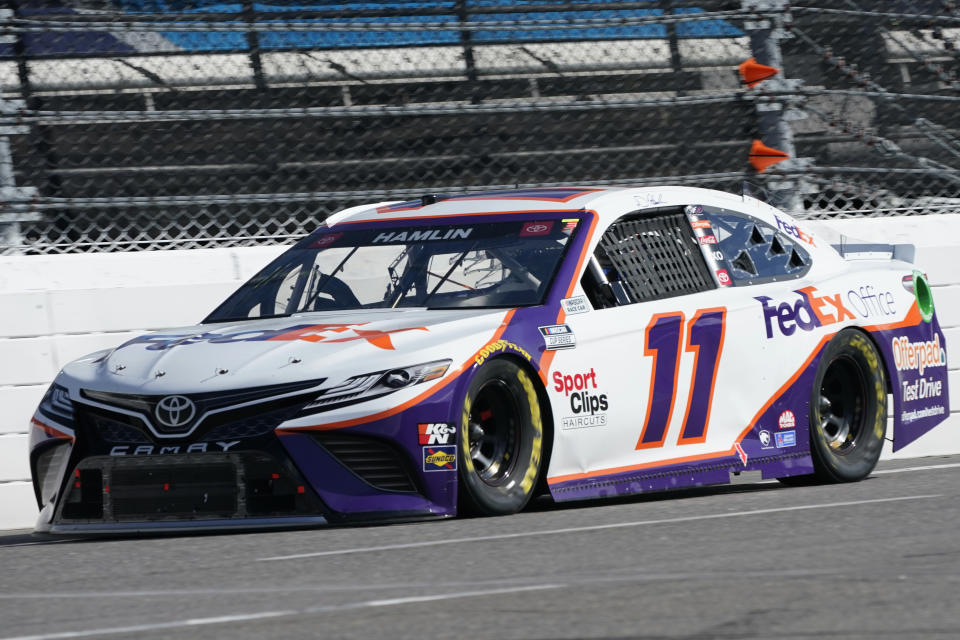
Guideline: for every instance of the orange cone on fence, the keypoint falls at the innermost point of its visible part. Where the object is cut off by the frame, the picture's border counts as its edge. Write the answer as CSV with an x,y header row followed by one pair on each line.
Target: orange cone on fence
x,y
763,157
752,72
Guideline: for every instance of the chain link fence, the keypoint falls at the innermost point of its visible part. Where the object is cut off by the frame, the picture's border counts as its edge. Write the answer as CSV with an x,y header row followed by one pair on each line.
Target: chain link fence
x,y
148,124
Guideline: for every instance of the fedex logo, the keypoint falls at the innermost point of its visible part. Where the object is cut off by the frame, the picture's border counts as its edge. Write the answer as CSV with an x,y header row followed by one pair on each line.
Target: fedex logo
x,y
806,313
794,231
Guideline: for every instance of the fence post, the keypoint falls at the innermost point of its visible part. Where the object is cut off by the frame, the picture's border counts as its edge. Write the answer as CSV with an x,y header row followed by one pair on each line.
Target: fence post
x,y
11,239
773,116
253,45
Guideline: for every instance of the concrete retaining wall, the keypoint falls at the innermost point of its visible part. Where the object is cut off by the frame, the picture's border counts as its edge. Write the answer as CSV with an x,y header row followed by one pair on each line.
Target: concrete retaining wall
x,y
57,308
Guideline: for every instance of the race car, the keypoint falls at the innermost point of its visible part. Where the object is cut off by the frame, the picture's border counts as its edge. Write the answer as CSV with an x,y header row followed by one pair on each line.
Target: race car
x,y
463,353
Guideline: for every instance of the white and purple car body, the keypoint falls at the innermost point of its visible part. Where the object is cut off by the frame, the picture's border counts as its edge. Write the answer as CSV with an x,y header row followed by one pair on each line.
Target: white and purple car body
x,y
410,359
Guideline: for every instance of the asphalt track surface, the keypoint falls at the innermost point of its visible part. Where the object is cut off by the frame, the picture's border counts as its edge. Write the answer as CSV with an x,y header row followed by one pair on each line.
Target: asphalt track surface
x,y
876,559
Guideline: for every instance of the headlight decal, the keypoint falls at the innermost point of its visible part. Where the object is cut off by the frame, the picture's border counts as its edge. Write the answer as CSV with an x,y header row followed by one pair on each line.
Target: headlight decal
x,y
372,385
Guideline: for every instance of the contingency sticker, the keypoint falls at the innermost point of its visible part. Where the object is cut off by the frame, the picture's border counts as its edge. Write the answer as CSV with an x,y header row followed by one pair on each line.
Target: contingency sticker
x,y
558,336
440,458
576,304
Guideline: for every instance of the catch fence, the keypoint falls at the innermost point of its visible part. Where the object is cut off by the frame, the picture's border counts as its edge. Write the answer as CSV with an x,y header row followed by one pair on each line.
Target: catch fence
x,y
148,124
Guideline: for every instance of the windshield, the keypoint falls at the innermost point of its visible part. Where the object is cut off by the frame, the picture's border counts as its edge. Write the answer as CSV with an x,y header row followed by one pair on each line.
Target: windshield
x,y
491,263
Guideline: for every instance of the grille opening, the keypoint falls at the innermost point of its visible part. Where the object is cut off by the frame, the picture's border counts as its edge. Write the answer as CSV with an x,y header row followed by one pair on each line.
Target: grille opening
x,y
84,495
376,461
209,490
187,487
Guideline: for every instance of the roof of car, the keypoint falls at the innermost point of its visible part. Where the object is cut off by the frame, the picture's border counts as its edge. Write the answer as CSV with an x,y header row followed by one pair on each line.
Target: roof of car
x,y
605,200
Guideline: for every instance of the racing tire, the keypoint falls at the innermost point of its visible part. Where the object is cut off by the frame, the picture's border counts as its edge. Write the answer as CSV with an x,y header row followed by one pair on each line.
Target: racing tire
x,y
848,410
500,440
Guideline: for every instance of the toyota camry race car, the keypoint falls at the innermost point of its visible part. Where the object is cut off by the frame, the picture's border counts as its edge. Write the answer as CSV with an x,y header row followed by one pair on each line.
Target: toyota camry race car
x,y
448,354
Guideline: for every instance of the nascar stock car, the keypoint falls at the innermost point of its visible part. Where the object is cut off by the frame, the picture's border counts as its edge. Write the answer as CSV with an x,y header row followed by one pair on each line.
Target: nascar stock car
x,y
416,359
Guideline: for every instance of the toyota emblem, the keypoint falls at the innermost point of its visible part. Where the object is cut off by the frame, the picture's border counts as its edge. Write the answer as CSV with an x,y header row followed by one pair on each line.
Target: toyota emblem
x,y
175,411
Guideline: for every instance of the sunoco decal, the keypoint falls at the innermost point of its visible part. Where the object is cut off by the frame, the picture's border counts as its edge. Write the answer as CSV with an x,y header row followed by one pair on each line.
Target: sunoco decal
x,y
439,458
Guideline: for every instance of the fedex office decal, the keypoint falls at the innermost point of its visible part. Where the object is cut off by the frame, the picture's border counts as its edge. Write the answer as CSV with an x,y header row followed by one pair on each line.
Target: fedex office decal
x,y
807,312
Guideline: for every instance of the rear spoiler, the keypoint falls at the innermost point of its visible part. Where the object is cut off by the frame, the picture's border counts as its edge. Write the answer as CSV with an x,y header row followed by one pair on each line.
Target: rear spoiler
x,y
904,252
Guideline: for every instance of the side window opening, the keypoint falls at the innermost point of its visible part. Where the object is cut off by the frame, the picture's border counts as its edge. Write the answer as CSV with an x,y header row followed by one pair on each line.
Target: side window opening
x,y
753,251
646,256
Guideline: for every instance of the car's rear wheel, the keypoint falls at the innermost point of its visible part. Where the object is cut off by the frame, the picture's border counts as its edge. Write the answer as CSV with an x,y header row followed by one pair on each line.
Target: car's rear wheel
x,y
501,440
848,409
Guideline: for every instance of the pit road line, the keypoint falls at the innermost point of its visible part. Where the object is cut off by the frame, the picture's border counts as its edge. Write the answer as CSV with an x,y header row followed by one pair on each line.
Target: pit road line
x,y
598,527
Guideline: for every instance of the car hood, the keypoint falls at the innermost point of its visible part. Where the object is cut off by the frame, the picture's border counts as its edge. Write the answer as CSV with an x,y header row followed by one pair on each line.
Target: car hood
x,y
331,345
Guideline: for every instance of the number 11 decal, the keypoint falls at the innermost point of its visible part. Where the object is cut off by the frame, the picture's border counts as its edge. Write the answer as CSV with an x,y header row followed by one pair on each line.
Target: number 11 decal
x,y
663,340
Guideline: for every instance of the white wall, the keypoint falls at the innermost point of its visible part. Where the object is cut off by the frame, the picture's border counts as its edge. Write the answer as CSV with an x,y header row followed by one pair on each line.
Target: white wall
x,y
56,308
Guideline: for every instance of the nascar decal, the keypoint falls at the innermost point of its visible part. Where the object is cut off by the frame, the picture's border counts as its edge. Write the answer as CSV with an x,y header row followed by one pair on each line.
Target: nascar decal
x,y
307,332
558,336
440,458
588,405
576,304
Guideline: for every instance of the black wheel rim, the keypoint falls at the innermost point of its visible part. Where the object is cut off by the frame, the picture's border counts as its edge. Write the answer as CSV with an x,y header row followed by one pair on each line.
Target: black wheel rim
x,y
842,400
494,435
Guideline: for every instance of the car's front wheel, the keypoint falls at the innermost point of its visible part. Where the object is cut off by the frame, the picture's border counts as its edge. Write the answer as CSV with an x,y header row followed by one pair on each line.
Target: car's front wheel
x,y
848,409
501,440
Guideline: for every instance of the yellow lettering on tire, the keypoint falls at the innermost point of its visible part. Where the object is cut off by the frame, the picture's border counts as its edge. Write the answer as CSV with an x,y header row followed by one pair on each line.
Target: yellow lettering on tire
x,y
535,421
465,434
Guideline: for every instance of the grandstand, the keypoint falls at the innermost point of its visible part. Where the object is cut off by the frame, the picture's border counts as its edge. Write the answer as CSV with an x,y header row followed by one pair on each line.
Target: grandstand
x,y
150,124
